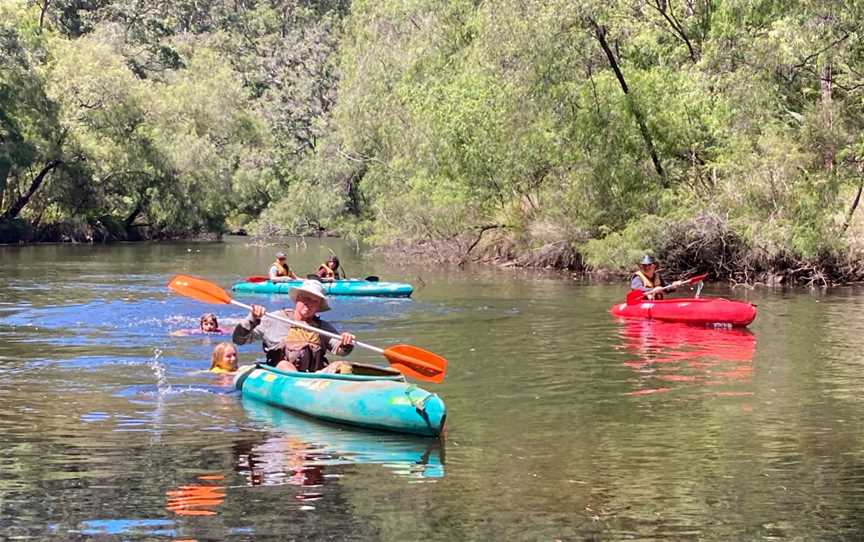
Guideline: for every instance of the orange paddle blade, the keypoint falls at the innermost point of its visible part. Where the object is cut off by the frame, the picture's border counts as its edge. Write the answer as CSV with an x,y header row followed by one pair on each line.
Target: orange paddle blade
x,y
199,289
416,362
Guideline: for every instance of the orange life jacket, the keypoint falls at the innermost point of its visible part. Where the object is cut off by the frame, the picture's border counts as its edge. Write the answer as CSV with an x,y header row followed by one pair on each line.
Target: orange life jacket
x,y
282,270
648,283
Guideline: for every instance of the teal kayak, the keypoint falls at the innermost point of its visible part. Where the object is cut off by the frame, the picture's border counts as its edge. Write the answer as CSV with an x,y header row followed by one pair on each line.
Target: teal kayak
x,y
373,397
337,287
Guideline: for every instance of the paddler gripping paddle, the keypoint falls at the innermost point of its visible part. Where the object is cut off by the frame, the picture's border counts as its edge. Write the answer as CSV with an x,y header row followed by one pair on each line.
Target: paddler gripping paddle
x,y
635,296
409,360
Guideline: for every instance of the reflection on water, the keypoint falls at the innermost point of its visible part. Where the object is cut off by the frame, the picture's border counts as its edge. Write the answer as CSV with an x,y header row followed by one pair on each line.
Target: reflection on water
x,y
668,355
300,446
197,499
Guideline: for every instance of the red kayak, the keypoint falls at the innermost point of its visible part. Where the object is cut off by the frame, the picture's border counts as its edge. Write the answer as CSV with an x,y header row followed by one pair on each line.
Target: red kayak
x,y
702,311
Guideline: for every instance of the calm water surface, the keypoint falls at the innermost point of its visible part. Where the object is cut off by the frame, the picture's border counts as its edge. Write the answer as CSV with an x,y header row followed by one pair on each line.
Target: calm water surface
x,y
564,423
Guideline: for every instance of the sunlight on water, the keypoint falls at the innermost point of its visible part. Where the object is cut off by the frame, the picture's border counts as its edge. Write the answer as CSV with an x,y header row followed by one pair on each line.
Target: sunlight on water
x,y
564,423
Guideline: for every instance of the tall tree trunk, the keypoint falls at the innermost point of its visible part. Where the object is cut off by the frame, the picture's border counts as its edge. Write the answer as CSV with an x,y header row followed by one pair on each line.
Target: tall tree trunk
x,y
24,199
600,34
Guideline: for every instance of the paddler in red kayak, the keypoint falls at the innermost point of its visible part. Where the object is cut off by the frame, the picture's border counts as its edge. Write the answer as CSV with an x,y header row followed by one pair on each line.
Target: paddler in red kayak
x,y
291,348
649,281
279,271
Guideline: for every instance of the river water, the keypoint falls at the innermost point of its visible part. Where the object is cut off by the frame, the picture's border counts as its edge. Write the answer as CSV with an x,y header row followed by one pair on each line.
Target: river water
x,y
563,422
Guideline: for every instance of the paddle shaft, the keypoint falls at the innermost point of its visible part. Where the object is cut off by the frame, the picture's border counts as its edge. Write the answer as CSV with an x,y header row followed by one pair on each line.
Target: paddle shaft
x,y
637,295
307,327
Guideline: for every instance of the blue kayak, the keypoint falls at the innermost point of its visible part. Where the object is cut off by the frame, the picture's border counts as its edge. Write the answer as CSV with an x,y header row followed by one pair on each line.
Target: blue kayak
x,y
337,287
373,397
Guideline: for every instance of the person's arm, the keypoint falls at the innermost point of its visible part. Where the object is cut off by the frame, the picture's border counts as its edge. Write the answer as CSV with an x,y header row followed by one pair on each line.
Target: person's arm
x,y
273,275
247,330
637,284
323,275
669,287
340,347
291,274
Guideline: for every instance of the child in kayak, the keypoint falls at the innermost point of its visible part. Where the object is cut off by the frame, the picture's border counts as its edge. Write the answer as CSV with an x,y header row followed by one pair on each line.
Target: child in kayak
x,y
224,358
649,281
291,348
329,270
279,271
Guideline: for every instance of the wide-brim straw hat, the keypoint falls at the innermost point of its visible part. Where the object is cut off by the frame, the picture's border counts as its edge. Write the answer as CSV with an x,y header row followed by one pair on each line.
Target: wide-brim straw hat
x,y
310,287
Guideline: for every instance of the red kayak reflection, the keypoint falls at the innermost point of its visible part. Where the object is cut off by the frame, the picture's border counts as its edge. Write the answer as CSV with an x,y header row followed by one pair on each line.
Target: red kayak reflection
x,y
670,353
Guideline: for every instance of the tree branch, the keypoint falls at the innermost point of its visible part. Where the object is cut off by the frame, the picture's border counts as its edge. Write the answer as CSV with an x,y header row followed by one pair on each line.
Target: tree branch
x,y
24,199
600,34
854,206
676,26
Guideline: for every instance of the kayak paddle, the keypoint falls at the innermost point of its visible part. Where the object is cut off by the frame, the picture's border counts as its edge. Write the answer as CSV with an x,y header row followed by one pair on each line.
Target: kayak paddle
x,y
409,360
636,296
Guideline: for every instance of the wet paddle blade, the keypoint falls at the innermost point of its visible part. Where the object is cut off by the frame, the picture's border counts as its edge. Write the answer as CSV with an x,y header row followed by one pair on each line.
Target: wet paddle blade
x,y
696,279
416,362
199,289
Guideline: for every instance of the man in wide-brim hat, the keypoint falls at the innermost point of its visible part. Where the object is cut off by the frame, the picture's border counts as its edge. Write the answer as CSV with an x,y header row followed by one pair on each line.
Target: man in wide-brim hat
x,y
291,348
649,281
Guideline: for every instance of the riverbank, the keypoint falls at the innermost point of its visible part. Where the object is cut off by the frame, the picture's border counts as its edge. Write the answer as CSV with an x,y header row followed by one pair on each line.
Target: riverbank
x,y
724,259
94,230
725,256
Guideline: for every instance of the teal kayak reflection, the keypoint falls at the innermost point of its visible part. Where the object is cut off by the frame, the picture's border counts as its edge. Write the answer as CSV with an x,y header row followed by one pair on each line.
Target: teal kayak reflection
x,y
300,447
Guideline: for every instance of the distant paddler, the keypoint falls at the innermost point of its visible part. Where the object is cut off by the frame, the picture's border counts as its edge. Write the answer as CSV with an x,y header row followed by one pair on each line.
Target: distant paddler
x,y
291,348
279,271
648,281
329,270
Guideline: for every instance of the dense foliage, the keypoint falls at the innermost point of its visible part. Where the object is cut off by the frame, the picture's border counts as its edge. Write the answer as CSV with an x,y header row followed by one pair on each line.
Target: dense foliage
x,y
722,135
